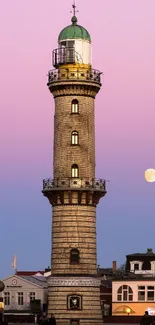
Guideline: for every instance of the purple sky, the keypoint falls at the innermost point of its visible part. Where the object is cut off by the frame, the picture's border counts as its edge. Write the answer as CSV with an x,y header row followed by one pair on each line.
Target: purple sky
x,y
123,40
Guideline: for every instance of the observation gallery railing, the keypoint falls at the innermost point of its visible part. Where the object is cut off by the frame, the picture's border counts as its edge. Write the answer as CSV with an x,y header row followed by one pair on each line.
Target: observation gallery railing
x,y
76,74
78,183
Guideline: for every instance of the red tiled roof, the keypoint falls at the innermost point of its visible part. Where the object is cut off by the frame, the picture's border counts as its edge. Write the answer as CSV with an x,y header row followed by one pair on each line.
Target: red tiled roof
x,y
29,272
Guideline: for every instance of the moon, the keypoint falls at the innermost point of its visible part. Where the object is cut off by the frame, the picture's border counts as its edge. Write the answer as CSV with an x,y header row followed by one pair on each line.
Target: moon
x,y
149,175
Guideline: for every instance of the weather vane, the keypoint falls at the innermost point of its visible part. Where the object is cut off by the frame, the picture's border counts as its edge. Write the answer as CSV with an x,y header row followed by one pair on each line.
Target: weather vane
x,y
74,9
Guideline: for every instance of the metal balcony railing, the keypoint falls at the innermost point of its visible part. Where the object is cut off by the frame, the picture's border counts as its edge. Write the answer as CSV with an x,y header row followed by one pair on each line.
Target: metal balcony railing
x,y
76,74
74,183
65,55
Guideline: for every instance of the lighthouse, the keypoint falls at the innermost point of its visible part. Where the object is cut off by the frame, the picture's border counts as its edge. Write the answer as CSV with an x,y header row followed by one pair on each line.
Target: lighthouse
x,y
73,191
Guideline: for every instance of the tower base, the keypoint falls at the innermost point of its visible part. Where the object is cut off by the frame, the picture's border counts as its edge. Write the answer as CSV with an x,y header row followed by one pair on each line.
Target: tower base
x,y
75,300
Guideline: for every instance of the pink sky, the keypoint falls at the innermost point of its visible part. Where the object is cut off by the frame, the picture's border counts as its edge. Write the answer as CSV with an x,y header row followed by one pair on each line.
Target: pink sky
x,y
123,40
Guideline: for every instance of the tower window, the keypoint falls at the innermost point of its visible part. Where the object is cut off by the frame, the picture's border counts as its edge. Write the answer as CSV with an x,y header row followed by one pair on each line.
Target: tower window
x,y
75,106
74,256
75,138
75,171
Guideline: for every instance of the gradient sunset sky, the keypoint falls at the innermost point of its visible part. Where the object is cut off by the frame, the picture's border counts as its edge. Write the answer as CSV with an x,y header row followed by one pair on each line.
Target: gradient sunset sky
x,y
123,41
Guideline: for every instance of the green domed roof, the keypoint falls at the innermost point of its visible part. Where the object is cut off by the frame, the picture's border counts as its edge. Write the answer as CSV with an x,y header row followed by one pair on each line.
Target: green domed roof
x,y
74,31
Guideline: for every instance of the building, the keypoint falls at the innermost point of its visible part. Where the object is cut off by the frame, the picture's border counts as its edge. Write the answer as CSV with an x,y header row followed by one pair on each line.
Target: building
x,y
106,297
133,296
141,263
133,291
74,192
20,289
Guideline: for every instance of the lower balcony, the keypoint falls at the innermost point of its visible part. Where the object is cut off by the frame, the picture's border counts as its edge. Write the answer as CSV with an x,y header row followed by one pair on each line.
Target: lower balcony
x,y
74,183
74,191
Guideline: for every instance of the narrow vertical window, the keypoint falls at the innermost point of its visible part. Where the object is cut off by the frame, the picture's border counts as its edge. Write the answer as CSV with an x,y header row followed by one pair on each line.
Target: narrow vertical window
x,y
150,293
74,256
7,298
75,171
141,293
75,138
20,299
75,106
32,296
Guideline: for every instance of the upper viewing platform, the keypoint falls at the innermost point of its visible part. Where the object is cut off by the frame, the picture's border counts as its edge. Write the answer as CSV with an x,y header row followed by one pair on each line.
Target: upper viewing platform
x,y
74,46
72,60
66,55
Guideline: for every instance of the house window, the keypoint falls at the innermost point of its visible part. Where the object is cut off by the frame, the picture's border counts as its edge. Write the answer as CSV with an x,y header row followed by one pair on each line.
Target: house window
x,y
150,293
75,171
124,293
75,138
32,296
74,256
136,267
141,293
75,106
6,298
20,299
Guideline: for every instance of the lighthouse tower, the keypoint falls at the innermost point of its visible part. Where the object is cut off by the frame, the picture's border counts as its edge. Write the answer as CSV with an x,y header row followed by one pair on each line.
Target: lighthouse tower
x,y
74,192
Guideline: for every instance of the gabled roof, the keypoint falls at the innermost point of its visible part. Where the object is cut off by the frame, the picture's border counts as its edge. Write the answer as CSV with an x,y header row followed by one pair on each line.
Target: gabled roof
x,y
26,279
41,281
29,272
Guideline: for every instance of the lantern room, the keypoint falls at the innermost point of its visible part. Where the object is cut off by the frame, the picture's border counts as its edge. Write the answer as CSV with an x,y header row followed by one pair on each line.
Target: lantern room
x,y
74,47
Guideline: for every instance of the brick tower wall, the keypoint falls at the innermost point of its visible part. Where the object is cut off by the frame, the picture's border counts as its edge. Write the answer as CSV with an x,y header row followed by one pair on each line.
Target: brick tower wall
x,y
74,227
65,122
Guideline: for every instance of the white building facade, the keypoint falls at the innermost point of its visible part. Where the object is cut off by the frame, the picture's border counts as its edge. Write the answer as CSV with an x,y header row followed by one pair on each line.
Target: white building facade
x,y
21,290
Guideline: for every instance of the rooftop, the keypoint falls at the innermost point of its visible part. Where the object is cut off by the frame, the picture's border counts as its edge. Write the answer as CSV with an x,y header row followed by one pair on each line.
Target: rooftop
x,y
148,252
29,273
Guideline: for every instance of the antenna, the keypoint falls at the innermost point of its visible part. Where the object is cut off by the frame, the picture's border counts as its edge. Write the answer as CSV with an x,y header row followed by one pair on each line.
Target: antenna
x,y
74,11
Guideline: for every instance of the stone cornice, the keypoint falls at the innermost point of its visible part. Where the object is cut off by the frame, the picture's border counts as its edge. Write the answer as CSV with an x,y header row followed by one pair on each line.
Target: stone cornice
x,y
73,282
75,88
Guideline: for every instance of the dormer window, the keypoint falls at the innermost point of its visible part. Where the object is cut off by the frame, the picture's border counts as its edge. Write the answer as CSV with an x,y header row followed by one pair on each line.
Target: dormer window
x,y
136,267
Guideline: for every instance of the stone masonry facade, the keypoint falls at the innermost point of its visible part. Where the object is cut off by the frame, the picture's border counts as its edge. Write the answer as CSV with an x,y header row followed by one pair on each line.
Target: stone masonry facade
x,y
74,207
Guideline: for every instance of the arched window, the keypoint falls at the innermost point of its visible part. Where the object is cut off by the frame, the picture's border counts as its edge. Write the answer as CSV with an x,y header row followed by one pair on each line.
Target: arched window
x,y
124,293
74,256
75,171
75,138
75,106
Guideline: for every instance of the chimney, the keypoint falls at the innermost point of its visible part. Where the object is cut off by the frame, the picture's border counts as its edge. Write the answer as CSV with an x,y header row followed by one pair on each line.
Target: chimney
x,y
114,266
149,251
